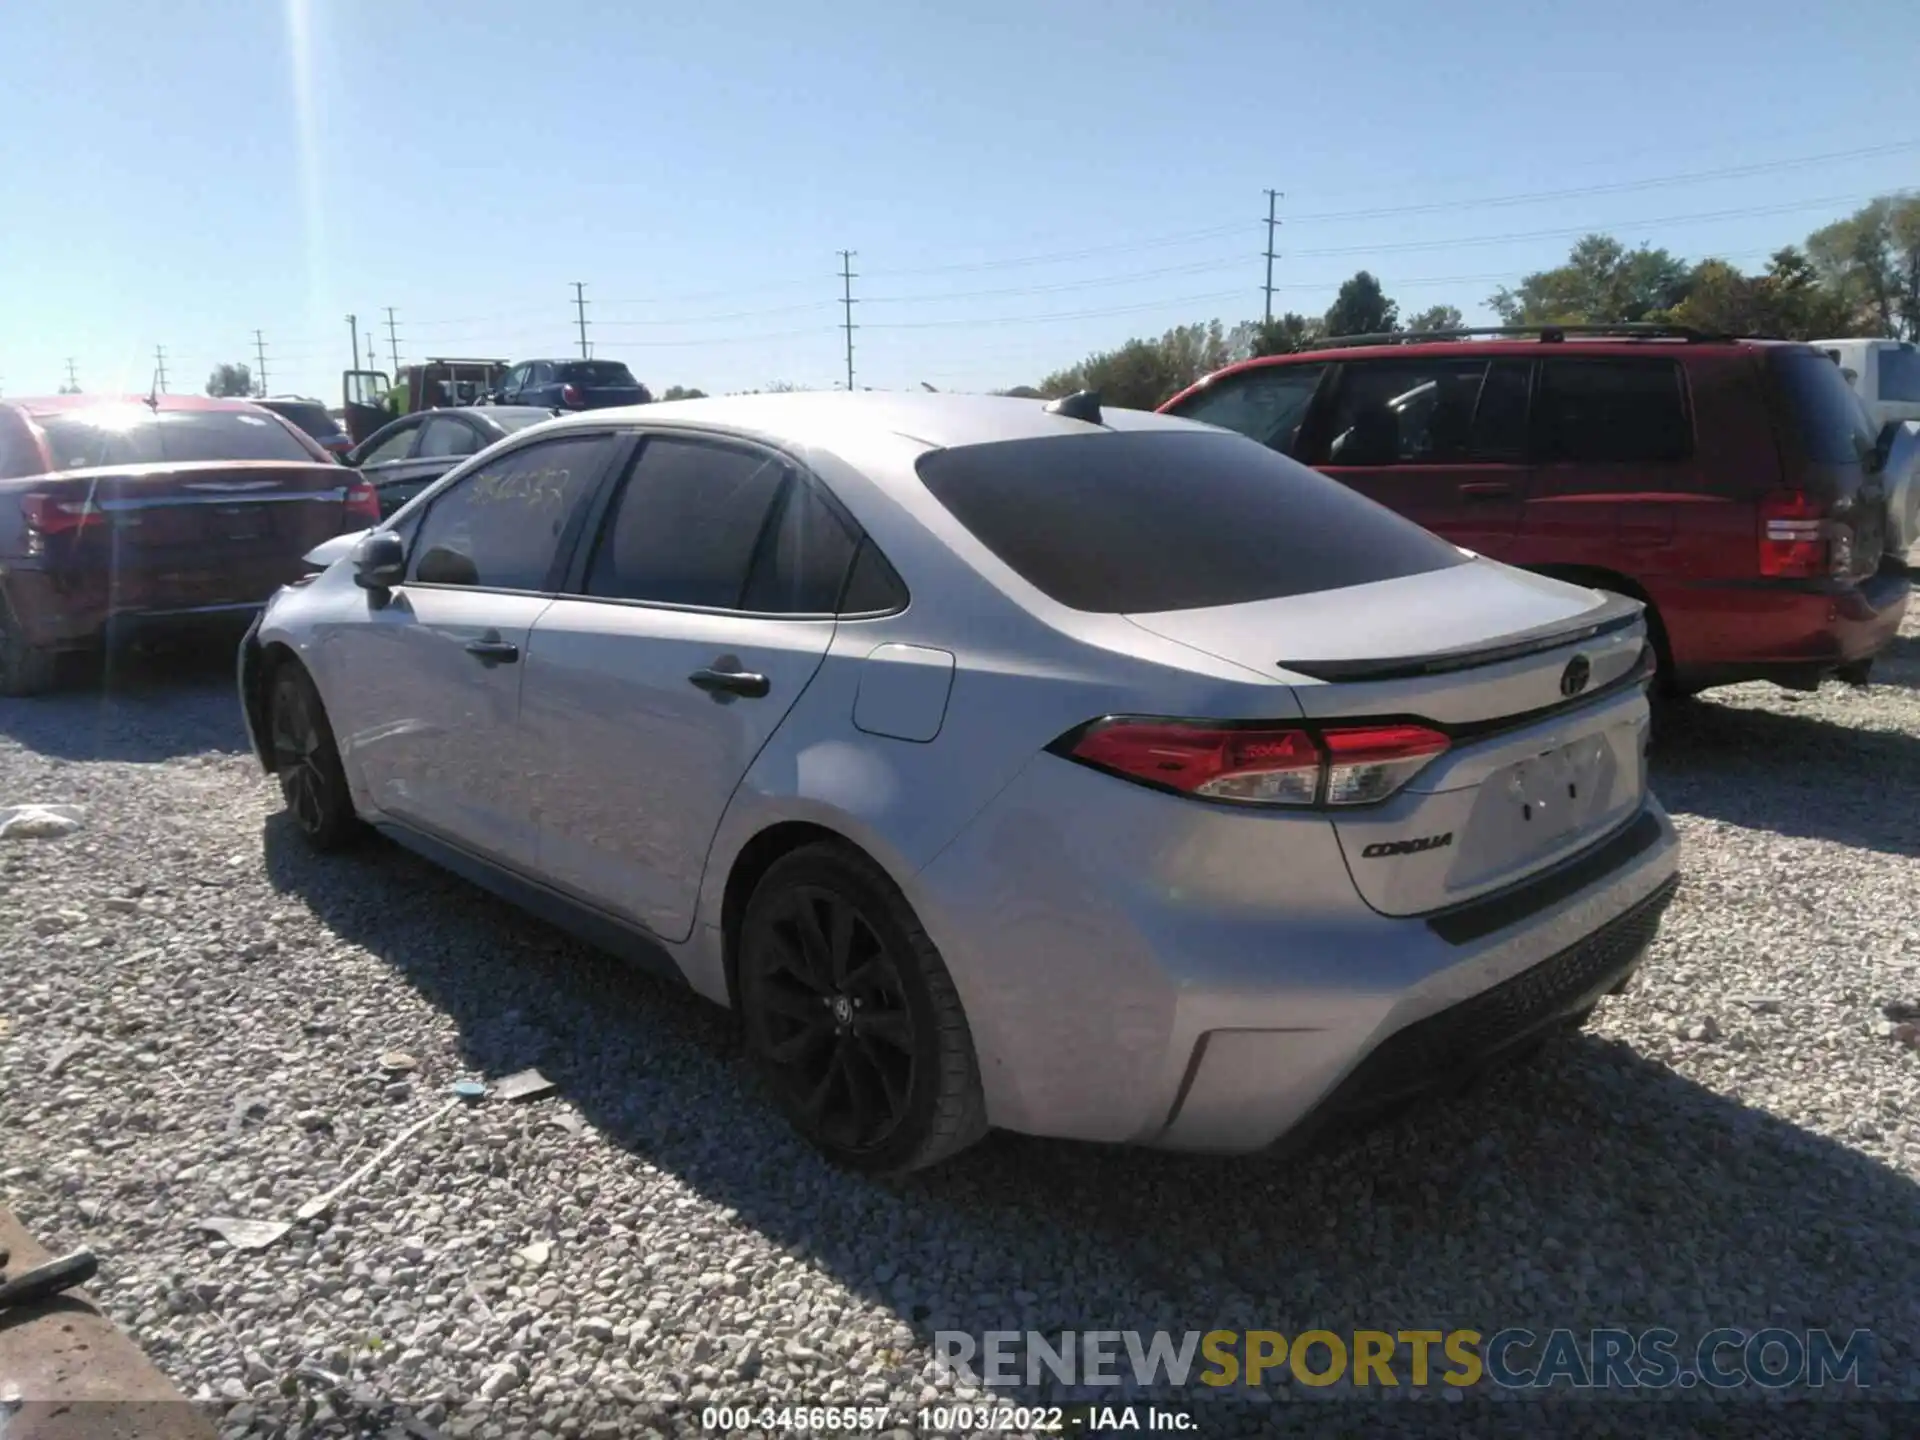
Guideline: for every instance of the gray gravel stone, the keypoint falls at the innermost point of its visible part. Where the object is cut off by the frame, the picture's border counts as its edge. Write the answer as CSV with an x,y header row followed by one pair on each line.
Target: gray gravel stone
x,y
1658,1170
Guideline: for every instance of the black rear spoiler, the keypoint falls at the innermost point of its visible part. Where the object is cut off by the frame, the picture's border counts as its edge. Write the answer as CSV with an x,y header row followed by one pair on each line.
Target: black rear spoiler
x,y
1618,613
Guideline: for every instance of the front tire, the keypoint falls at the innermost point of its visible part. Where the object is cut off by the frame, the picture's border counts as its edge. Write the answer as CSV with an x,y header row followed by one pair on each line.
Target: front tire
x,y
307,762
852,1018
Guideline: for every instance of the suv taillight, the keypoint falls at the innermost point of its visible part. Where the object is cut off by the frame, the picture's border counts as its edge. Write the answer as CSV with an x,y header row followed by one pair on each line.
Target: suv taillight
x,y
1793,536
363,501
1258,764
51,516
569,395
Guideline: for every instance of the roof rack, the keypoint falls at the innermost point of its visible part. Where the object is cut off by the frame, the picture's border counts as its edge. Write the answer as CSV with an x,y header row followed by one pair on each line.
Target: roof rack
x,y
1549,334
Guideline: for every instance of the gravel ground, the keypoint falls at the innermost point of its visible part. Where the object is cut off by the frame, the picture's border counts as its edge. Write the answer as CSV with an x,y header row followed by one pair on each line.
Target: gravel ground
x,y
194,1011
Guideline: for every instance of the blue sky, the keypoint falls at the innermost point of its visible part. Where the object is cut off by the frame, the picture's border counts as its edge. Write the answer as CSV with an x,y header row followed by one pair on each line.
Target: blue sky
x,y
1022,183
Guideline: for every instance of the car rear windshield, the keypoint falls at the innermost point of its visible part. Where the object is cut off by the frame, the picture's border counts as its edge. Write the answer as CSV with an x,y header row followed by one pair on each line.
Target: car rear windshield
x,y
597,372
134,435
1832,427
313,419
1144,521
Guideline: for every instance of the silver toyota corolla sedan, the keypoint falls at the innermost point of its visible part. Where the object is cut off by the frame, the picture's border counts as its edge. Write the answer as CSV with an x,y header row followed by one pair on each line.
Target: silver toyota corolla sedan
x,y
1099,775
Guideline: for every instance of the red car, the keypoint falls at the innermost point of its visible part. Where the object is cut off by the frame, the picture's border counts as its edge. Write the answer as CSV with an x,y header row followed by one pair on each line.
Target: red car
x,y
1733,486
130,514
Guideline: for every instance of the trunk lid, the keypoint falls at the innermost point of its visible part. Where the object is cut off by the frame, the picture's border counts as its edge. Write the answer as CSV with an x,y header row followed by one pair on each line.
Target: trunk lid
x,y
192,534
1539,685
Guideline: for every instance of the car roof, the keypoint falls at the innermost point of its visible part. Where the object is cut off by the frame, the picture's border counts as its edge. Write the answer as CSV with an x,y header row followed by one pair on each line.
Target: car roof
x,y
826,418
54,404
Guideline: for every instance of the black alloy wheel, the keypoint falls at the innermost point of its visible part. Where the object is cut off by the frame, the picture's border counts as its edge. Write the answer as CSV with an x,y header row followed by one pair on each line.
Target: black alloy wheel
x,y
307,761
851,1015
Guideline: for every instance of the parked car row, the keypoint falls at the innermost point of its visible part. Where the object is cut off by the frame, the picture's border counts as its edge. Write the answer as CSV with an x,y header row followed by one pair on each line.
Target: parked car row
x,y
1737,488
369,398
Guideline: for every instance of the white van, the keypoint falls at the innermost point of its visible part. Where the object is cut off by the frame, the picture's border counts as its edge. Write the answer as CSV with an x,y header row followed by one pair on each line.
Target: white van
x,y
1884,373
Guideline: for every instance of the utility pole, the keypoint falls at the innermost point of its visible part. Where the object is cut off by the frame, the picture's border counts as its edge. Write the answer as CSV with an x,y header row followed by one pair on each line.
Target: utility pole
x,y
353,329
1273,224
373,352
393,341
160,369
73,379
260,354
580,309
846,306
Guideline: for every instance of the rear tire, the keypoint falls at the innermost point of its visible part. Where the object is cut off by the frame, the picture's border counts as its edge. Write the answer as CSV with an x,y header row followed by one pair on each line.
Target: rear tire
x,y
307,762
24,669
851,1016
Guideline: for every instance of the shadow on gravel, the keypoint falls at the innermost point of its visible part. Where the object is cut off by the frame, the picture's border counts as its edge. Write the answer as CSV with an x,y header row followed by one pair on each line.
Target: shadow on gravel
x,y
1899,663
139,706
1654,1188
1792,774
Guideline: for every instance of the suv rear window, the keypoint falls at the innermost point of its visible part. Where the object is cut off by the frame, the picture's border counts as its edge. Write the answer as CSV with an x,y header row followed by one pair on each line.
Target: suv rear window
x,y
1144,521
1828,419
597,372
1900,375
134,435
1612,410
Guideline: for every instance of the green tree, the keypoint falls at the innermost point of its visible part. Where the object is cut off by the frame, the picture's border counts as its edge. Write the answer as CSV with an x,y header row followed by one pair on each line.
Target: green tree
x,y
1144,373
1871,262
683,392
1021,392
1602,283
1437,317
1284,334
1785,302
1362,308
230,381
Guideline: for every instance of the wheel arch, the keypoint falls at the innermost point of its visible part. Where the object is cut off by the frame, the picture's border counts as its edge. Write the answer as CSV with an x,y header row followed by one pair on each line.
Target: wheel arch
x,y
750,863
259,664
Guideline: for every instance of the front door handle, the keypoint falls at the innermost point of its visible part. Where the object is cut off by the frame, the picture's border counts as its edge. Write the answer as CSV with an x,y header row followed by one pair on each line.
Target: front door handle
x,y
1487,490
731,682
490,650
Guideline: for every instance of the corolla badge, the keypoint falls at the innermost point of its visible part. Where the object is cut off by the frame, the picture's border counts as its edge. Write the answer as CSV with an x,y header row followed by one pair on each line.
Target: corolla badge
x,y
1574,678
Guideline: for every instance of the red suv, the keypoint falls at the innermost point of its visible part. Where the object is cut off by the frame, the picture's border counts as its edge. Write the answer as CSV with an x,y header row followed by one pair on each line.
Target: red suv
x,y
1733,486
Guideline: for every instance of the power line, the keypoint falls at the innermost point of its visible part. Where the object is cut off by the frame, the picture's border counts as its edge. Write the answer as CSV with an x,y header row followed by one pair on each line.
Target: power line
x,y
1618,188
1273,223
580,308
846,302
260,354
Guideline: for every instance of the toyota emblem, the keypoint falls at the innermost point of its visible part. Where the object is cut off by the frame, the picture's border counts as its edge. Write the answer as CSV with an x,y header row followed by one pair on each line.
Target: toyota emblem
x,y
1574,678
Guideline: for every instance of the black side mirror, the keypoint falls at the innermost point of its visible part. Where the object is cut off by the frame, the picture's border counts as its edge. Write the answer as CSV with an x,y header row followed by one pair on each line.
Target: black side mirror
x,y
379,561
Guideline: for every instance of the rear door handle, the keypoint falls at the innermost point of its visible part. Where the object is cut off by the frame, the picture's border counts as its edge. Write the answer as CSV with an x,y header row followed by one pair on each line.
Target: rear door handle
x,y
731,682
493,651
1486,489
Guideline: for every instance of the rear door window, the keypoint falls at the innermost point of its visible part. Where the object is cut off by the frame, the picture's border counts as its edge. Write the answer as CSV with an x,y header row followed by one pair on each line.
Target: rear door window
x,y
1424,411
1140,521
801,567
1612,410
501,527
1827,417
686,525
397,445
1266,404
596,372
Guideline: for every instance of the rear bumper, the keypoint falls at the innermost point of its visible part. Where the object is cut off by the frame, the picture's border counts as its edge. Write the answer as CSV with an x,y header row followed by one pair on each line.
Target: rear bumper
x,y
79,611
1794,632
1134,972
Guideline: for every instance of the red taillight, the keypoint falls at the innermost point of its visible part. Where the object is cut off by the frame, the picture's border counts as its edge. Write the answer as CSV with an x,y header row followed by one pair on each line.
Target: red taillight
x,y
363,501
1793,536
569,395
52,516
1261,765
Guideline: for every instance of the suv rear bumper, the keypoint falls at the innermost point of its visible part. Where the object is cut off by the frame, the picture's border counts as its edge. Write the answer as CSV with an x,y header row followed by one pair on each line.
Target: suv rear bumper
x,y
1795,633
